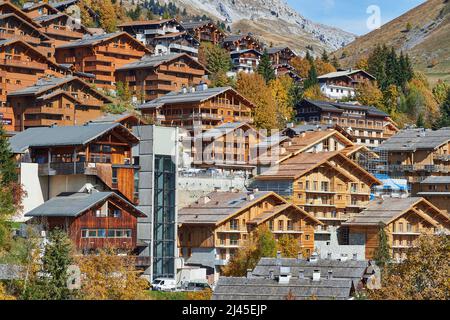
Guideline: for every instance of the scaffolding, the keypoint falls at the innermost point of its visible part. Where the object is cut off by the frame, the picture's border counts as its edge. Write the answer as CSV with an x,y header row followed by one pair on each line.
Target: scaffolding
x,y
374,161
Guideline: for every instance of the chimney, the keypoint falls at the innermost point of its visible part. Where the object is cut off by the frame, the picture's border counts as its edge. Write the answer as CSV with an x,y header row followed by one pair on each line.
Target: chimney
x,y
255,190
250,197
300,255
301,274
290,125
278,254
329,256
355,257
192,90
202,86
270,274
249,273
314,257
204,200
344,257
316,275
184,90
330,274
285,275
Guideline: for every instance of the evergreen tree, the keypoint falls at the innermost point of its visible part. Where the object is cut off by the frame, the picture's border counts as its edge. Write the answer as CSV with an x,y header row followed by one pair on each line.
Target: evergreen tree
x,y
382,254
50,283
312,77
335,62
444,120
265,67
420,122
325,57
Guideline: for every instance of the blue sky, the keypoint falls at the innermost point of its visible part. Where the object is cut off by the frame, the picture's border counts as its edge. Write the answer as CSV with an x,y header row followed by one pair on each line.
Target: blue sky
x,y
350,15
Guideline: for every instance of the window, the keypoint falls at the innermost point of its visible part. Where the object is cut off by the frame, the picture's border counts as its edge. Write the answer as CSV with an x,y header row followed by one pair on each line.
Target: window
x,y
280,225
307,185
234,224
290,225
306,236
100,213
234,240
324,185
400,227
408,227
271,225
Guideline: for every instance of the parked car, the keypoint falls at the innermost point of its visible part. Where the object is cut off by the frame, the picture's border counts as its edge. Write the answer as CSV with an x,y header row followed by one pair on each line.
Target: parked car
x,y
196,285
164,284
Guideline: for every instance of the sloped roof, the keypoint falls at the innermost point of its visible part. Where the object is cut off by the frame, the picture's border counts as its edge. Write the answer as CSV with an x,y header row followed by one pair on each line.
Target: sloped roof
x,y
92,40
344,73
63,136
416,139
49,17
74,204
340,107
154,61
234,288
349,269
224,129
145,22
268,214
436,180
239,52
45,84
114,117
274,50
31,23
195,24
188,97
221,206
384,211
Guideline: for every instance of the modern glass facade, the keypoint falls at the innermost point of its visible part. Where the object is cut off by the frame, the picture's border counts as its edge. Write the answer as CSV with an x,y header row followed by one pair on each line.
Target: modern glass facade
x,y
164,217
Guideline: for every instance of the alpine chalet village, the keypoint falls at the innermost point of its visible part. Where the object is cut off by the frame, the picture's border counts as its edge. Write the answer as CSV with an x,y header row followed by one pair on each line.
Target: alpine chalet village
x,y
224,150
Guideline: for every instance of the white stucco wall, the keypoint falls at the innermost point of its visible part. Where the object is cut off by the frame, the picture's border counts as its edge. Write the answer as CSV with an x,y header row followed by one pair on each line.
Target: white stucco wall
x,y
35,194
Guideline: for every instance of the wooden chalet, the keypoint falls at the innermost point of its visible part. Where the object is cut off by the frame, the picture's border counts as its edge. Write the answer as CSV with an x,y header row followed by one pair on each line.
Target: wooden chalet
x,y
127,119
213,228
436,190
367,124
199,107
286,70
204,31
62,28
415,154
72,157
34,10
241,42
328,185
93,221
342,84
246,60
227,147
281,55
56,101
154,76
403,219
179,42
101,55
147,30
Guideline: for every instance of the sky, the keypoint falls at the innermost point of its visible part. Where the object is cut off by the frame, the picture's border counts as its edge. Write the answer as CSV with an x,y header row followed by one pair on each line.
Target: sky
x,y
351,15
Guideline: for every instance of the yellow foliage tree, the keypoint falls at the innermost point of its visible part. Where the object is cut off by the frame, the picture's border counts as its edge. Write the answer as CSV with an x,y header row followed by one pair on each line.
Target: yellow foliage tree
x,y
4,295
288,246
362,64
424,275
108,16
368,93
301,66
253,87
107,276
280,88
314,93
323,67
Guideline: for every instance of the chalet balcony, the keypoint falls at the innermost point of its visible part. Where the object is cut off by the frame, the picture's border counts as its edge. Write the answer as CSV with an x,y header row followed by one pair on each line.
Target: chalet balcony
x,y
183,70
63,31
121,50
183,48
98,67
23,64
62,168
10,34
441,157
159,32
98,58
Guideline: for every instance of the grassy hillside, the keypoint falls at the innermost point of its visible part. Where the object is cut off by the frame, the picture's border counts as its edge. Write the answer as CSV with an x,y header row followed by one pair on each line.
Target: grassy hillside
x,y
423,32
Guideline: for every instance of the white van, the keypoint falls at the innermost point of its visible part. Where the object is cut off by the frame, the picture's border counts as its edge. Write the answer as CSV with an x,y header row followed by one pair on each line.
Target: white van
x,y
164,284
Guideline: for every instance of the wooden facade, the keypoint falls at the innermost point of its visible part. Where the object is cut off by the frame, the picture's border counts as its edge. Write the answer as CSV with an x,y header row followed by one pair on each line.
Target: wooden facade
x,y
241,42
327,185
153,77
200,107
205,31
245,60
281,56
368,125
230,232
101,55
64,102
110,224
403,228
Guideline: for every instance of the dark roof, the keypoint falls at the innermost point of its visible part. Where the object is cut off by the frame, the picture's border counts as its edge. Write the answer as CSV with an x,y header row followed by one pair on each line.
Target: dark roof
x,y
416,139
195,24
436,180
92,40
218,207
188,97
234,53
340,107
63,136
146,22
154,61
344,73
233,288
383,211
349,269
49,17
74,204
223,129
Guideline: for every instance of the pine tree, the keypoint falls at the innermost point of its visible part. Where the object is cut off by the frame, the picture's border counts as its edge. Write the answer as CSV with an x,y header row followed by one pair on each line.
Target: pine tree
x,y
265,67
335,62
382,254
444,120
325,57
420,122
312,77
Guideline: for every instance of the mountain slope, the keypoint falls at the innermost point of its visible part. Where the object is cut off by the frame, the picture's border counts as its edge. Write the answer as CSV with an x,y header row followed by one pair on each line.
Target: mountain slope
x,y
271,20
427,42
